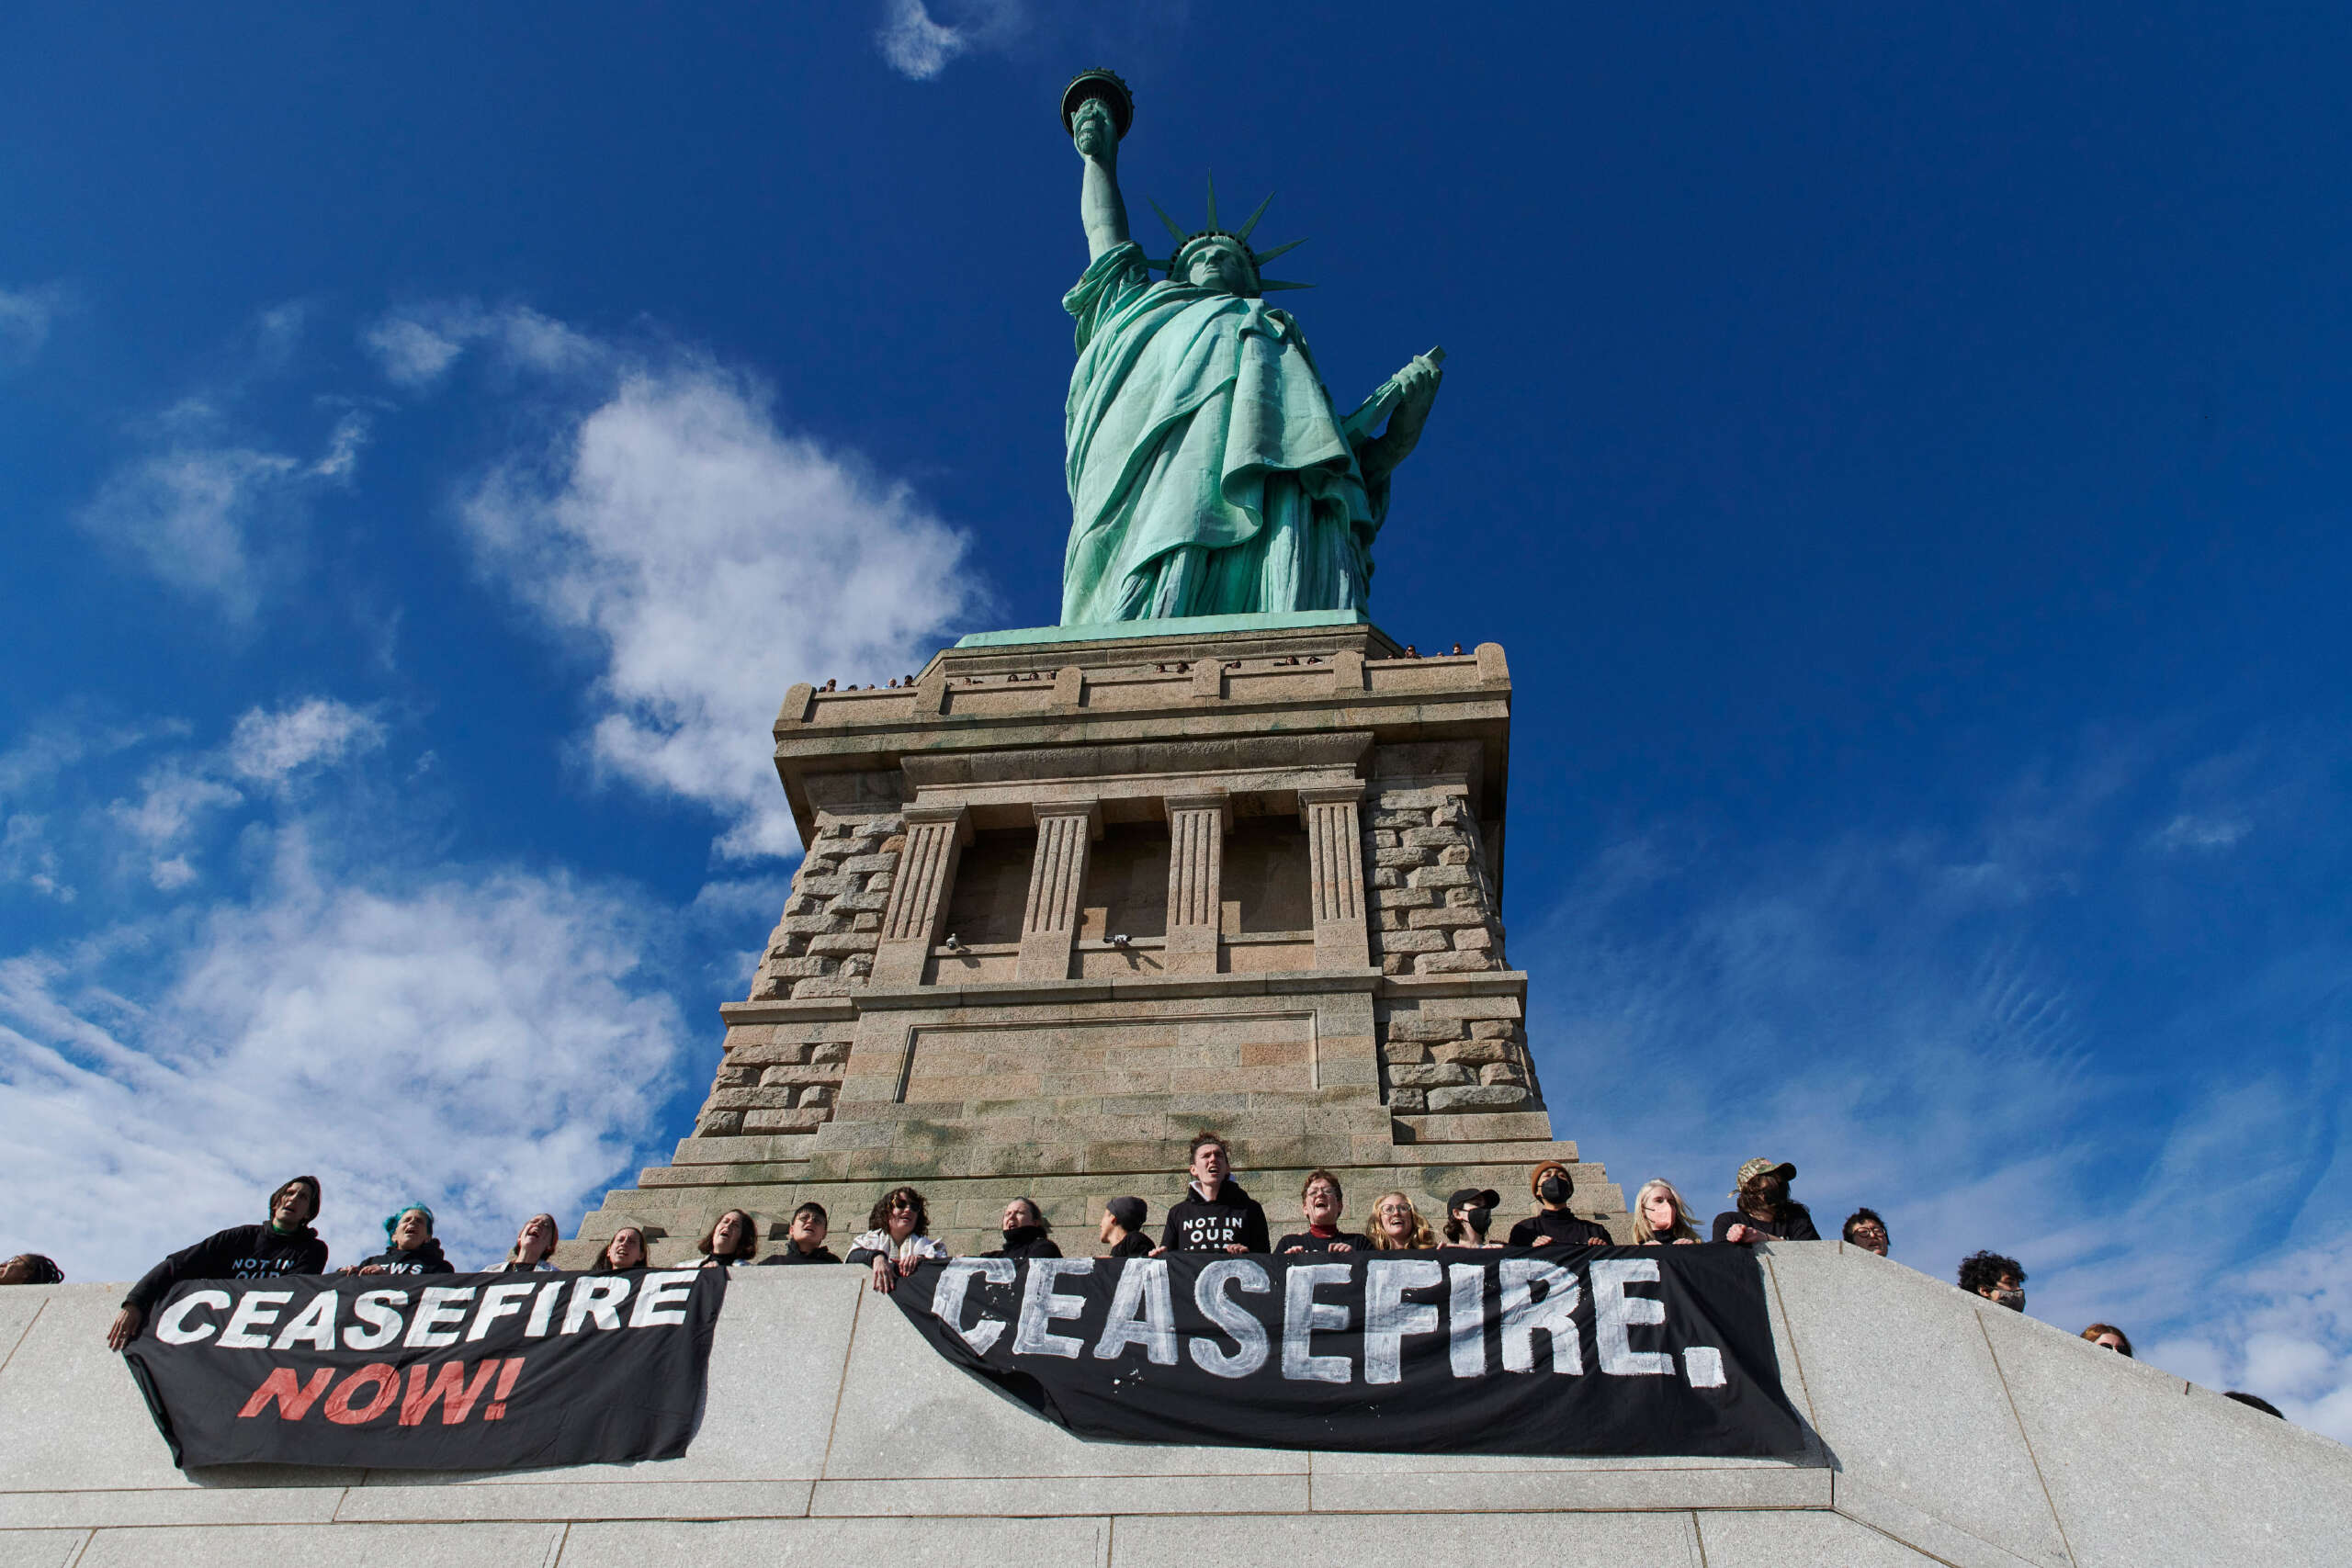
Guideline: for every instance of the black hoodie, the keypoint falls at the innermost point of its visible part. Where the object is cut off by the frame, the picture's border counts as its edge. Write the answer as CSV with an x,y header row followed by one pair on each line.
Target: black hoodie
x,y
241,1252
1025,1241
423,1258
1197,1224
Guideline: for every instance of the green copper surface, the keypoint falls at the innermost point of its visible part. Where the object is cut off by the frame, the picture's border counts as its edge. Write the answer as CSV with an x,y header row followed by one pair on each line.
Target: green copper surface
x,y
1181,626
1210,473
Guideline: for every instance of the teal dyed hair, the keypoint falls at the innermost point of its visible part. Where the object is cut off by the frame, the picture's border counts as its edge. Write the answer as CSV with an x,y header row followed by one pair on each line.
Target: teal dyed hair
x,y
394,1218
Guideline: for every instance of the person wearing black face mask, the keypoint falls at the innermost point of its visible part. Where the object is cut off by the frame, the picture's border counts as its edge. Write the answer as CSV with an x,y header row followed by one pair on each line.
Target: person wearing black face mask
x,y
1552,1225
1766,1213
1026,1232
1468,1214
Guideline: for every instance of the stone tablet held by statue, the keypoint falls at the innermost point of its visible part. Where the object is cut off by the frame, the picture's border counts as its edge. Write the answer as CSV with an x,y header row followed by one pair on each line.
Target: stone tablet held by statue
x,y
1210,473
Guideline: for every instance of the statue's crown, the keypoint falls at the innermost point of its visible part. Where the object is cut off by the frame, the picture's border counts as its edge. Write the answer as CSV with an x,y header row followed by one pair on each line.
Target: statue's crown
x,y
1186,243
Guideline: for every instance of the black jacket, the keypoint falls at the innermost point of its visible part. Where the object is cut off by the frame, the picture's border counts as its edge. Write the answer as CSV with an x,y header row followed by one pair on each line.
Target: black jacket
x,y
1138,1244
1310,1242
422,1259
1795,1223
790,1253
1563,1227
1025,1241
241,1252
1198,1225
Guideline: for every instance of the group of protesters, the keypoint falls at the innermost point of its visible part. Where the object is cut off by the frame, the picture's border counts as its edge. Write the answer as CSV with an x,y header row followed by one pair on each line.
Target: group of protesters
x,y
1216,1215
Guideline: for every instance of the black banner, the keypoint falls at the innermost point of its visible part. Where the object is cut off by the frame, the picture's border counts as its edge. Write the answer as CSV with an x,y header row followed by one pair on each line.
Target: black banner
x,y
1606,1350
437,1371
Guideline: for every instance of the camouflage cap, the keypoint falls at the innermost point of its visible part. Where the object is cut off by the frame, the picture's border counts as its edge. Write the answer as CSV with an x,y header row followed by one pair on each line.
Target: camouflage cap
x,y
1757,1168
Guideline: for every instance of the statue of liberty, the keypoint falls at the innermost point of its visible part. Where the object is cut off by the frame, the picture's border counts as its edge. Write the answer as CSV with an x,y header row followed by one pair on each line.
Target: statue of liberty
x,y
1209,471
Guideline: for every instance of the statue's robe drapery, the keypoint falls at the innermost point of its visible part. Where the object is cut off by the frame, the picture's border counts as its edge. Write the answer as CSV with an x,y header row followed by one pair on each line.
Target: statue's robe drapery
x,y
1209,474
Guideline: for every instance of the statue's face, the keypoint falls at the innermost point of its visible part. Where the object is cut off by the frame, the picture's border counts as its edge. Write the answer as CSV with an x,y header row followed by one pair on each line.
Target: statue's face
x,y
1219,264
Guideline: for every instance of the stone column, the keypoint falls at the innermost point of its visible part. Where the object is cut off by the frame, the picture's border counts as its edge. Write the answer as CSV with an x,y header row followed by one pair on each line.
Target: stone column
x,y
1197,825
1335,860
1057,878
935,838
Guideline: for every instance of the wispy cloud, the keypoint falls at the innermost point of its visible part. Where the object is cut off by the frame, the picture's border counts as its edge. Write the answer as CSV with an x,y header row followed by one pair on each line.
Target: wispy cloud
x,y
2025,1035
703,554
415,346
491,1040
919,46
27,316
209,510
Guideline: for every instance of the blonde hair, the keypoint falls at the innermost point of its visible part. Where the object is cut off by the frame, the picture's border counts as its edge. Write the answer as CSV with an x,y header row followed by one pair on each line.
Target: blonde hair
x,y
1681,1228
1422,1236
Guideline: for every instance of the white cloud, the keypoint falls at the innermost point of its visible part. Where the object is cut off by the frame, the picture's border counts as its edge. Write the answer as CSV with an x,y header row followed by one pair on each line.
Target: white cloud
x,y
417,346
2189,832
25,317
191,514
916,46
483,1041
711,558
1904,1015
274,746
27,856
172,798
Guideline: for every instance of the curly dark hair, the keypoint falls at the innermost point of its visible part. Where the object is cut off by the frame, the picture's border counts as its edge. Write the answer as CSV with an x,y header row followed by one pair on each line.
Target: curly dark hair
x,y
1861,1216
878,1217
39,1269
1981,1272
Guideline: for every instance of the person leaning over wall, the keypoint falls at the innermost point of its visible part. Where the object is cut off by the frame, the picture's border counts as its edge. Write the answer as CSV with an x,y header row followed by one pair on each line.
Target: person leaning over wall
x,y
732,1238
1321,1203
1469,1213
896,1238
2110,1338
1121,1229
285,1244
1864,1229
804,1242
534,1248
1995,1277
1027,1231
1216,1215
1397,1227
1552,1184
31,1268
624,1252
1660,1216
1766,1212
409,1247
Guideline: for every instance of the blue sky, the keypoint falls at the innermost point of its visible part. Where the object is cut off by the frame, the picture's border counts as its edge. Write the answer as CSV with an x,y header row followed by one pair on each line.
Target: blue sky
x,y
1905,458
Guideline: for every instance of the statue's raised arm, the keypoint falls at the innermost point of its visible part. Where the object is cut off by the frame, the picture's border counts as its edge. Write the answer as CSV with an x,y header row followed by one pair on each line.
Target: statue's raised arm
x,y
1209,472
1099,205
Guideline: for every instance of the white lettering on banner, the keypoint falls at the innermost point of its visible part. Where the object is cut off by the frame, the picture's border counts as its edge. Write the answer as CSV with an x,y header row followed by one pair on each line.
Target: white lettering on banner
x,y
439,1305
255,1309
379,1310
1613,1312
1466,1320
1302,1314
1526,1314
543,1309
1042,1306
1249,1335
596,1296
660,1301
505,1300
1388,1316
1703,1365
1142,1312
174,1329
313,1325
947,1298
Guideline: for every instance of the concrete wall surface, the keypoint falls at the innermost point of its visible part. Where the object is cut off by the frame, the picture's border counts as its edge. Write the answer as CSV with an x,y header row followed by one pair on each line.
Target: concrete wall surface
x,y
1948,1431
